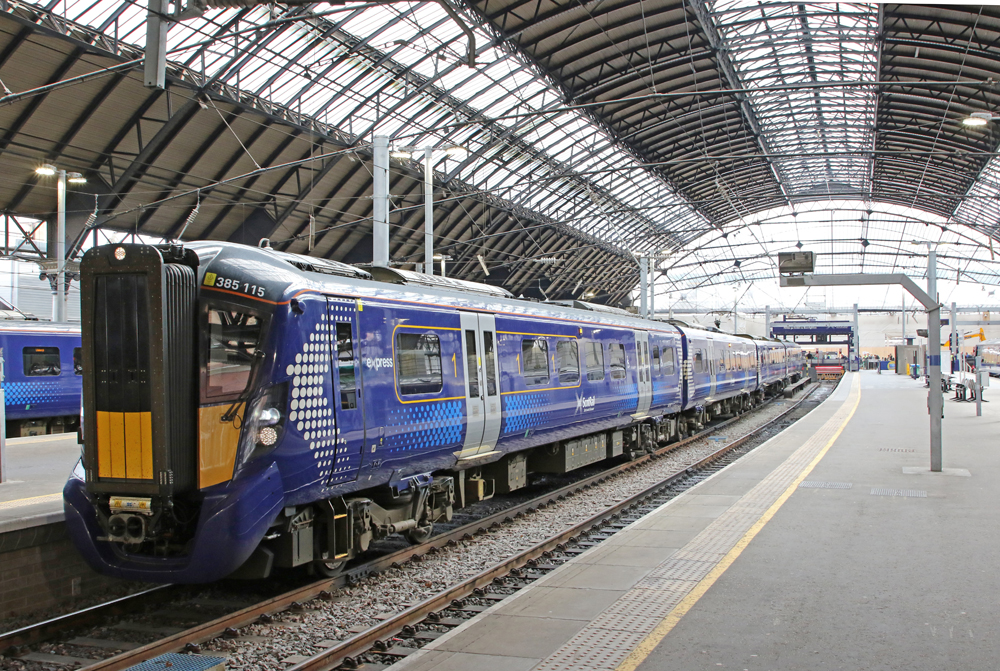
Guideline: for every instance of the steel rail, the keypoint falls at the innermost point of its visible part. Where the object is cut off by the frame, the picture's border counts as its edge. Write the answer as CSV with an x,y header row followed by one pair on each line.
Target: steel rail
x,y
93,615
319,589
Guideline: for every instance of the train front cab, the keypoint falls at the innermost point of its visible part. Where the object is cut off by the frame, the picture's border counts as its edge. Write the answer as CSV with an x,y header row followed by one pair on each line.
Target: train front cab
x,y
142,502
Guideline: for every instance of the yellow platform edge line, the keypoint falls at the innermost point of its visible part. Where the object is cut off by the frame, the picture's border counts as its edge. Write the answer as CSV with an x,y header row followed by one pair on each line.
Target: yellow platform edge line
x,y
643,650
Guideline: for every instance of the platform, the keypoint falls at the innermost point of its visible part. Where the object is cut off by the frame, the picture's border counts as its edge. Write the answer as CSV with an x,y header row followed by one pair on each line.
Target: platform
x,y
829,547
37,469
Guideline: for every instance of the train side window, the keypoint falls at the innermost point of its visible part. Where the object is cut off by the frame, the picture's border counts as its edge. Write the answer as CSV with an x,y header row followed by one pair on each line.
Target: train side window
x,y
595,360
667,361
345,367
656,358
41,361
77,361
535,355
418,362
699,361
616,360
491,366
568,361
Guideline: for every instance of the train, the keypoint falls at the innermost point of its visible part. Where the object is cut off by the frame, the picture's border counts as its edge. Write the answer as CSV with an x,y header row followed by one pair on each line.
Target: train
x,y
248,409
42,377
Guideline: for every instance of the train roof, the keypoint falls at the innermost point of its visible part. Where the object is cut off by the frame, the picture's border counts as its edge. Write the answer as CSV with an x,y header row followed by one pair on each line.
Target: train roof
x,y
286,276
37,327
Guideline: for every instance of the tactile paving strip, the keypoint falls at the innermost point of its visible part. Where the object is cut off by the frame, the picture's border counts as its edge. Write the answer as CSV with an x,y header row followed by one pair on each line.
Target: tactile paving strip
x,y
640,610
34,500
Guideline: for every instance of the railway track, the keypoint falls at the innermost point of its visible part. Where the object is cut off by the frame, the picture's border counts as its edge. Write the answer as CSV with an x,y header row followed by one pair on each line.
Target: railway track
x,y
421,621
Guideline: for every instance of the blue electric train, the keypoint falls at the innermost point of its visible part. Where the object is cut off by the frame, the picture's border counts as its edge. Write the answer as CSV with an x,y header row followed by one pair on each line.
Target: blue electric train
x,y
247,409
42,377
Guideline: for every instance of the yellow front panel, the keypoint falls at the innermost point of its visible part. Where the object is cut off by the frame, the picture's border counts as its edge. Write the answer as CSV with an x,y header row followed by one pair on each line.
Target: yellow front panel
x,y
133,446
103,444
125,445
117,422
146,428
217,445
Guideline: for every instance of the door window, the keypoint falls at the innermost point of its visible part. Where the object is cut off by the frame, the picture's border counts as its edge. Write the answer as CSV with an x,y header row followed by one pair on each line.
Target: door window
x,y
345,367
472,363
489,351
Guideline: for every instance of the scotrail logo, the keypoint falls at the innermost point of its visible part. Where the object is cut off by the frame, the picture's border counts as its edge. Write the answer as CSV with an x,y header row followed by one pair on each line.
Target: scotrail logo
x,y
584,403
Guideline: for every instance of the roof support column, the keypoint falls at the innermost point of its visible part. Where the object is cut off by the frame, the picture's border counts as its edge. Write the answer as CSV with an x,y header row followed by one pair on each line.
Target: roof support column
x,y
643,290
429,211
156,45
380,201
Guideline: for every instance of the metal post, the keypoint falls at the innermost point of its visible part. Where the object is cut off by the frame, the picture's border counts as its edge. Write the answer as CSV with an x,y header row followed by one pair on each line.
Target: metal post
x,y
443,259
904,318
429,210
643,292
856,340
380,201
979,386
59,299
767,321
935,402
736,319
652,289
155,68
954,349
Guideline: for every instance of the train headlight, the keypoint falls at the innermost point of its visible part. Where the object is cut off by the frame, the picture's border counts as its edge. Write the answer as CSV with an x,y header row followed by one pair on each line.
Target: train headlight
x,y
269,417
267,436
263,424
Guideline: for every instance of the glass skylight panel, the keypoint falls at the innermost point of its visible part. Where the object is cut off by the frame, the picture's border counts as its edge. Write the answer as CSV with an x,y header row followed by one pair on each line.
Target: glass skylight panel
x,y
822,132
837,232
981,206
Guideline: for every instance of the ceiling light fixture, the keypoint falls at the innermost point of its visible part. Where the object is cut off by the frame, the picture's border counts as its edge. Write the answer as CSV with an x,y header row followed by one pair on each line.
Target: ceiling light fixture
x,y
978,119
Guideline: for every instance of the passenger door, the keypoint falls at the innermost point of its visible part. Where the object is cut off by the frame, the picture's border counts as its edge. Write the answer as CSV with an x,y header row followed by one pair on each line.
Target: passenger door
x,y
645,385
348,408
482,384
713,367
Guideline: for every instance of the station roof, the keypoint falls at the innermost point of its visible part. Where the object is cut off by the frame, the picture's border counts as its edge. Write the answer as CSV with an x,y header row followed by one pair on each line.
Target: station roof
x,y
710,135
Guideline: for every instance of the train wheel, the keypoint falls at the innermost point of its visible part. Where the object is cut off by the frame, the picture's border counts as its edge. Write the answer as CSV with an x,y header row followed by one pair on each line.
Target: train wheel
x,y
328,569
420,534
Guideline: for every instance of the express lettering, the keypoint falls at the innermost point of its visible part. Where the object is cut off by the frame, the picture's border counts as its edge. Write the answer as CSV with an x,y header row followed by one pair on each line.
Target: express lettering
x,y
377,363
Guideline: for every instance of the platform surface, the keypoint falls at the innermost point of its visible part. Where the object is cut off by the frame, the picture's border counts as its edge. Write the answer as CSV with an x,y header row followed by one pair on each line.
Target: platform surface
x,y
37,469
829,547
